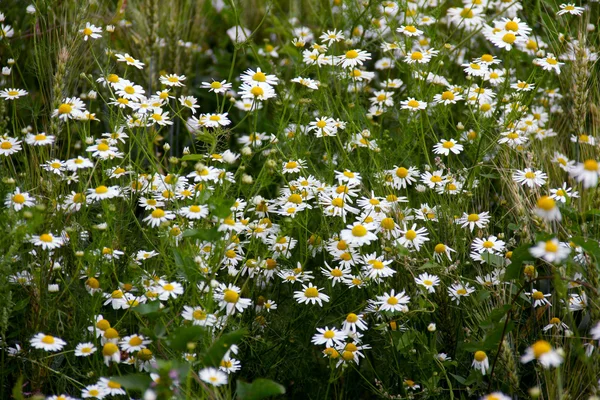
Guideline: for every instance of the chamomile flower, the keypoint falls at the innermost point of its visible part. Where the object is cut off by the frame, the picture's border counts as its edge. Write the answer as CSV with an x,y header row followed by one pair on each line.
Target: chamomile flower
x,y
311,294
337,274
172,80
230,300
440,249
9,146
213,376
359,234
133,343
354,322
47,241
445,147
555,323
481,362
586,173
544,353
198,316
329,337
413,105
429,282
18,200
214,120
159,216
194,212
393,302
549,63
12,94
458,290
353,57
473,220
168,290
47,342
90,31
93,392
546,208
126,58
539,298
376,267
413,238
570,8
550,250
563,193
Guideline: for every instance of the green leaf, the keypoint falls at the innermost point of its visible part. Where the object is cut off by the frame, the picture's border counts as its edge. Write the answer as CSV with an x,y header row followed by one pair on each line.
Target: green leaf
x,y
209,235
217,351
513,227
139,382
591,246
493,259
405,340
148,308
220,207
206,138
258,389
193,157
17,391
519,255
493,337
458,378
179,339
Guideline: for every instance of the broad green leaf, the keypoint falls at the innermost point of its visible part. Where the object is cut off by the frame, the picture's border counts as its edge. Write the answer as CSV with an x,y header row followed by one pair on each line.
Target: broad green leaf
x,y
221,208
209,235
193,157
217,351
179,339
138,382
148,308
519,255
591,246
258,389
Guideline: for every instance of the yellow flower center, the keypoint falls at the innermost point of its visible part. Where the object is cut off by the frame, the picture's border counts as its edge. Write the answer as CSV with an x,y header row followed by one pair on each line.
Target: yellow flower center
x,y
158,213
537,295
216,85
590,165
65,108
540,348
546,203
416,55
311,292
46,238
392,301
352,318
259,77
359,231
473,218
447,95
413,104
480,356
448,145
440,248
410,235
257,91
467,12
101,189
231,296
48,339
551,247
109,349
509,38
18,198
135,341
351,54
